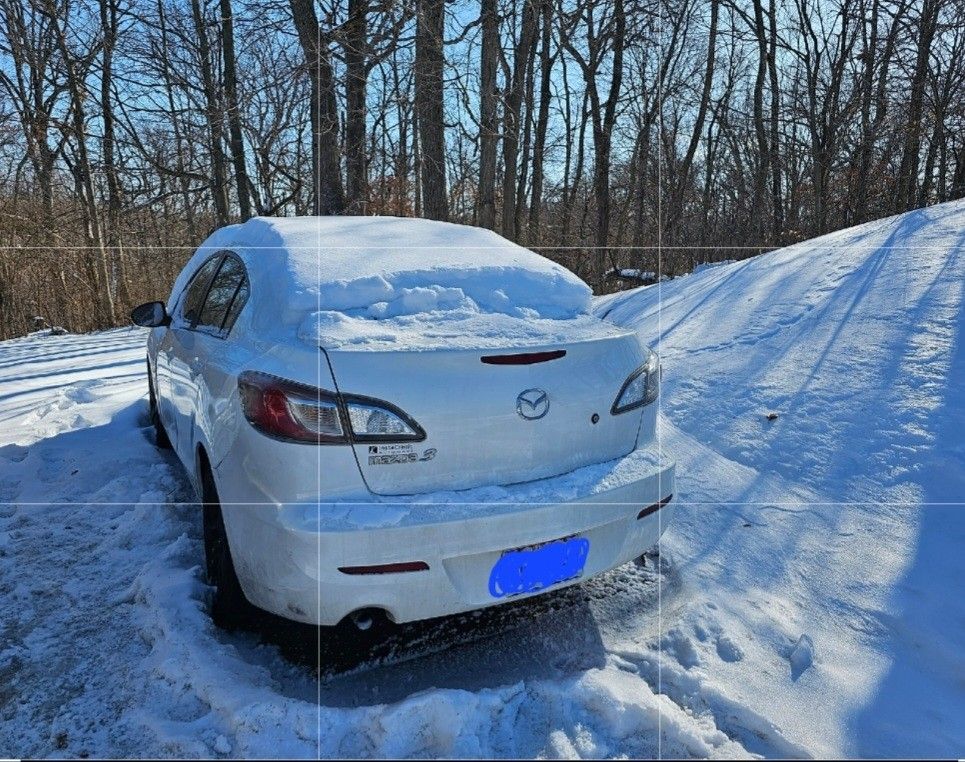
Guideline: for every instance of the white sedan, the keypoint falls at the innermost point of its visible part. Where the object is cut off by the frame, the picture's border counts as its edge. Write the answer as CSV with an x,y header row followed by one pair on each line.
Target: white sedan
x,y
400,417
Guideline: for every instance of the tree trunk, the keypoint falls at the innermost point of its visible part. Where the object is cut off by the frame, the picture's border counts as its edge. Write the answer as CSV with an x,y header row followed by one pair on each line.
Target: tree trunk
x,y
957,189
869,56
112,233
326,161
908,172
179,143
524,152
108,18
569,198
401,163
763,149
416,165
675,211
219,179
643,161
486,215
511,112
234,116
931,155
355,31
83,173
777,203
429,106
542,121
602,141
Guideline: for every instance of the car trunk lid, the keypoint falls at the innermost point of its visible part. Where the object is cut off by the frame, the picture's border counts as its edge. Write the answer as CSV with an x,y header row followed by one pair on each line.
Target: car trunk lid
x,y
494,416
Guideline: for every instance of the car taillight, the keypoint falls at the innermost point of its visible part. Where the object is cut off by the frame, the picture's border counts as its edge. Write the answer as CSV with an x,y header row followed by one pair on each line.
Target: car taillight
x,y
299,413
286,410
641,388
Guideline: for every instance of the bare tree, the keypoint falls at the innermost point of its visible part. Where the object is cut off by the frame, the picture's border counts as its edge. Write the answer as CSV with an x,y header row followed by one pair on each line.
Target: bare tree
x,y
429,107
910,155
511,116
326,159
34,87
609,34
488,135
355,36
231,106
683,177
716,123
219,174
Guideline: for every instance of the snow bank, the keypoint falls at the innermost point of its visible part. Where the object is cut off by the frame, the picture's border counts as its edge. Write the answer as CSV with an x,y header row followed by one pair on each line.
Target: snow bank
x,y
362,273
827,541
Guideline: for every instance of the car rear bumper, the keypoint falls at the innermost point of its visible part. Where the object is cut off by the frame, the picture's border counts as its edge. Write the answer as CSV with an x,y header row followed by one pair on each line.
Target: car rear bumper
x,y
289,557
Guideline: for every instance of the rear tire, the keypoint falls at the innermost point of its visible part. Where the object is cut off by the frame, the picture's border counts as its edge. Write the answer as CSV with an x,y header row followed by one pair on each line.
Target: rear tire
x,y
160,435
230,610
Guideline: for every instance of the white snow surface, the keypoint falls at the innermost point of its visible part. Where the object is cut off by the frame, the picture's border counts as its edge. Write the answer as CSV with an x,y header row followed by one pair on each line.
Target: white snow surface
x,y
458,328
354,281
809,595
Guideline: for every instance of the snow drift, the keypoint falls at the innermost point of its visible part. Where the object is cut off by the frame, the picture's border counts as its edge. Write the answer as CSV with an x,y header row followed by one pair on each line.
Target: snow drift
x,y
807,601
846,517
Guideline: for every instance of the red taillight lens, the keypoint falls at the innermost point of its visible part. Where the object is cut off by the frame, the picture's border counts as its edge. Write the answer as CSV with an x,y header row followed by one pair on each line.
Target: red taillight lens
x,y
290,411
298,413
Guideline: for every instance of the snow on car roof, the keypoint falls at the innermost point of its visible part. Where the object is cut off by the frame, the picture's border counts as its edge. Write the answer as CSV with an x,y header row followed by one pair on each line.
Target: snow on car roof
x,y
341,279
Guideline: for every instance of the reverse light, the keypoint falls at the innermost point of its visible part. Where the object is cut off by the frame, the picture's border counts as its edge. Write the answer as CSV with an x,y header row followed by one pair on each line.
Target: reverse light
x,y
377,421
641,388
300,413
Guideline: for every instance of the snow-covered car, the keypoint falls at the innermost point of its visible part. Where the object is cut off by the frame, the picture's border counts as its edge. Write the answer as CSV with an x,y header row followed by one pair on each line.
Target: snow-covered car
x,y
401,416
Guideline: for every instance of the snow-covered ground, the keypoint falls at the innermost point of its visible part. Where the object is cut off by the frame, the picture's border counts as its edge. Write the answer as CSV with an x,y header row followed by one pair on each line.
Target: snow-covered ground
x,y
808,599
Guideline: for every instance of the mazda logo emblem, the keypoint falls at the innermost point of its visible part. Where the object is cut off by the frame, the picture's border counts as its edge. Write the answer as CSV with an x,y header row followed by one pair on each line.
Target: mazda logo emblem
x,y
532,404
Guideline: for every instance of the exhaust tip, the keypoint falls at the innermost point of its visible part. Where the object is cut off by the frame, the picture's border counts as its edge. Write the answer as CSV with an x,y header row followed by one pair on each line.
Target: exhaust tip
x,y
365,619
362,620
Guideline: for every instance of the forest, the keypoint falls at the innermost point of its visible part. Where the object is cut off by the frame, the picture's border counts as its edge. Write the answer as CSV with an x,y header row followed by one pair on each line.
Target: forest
x,y
611,135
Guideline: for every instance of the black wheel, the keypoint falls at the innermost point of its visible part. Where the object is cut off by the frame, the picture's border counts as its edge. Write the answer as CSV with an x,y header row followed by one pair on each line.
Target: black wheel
x,y
230,610
160,435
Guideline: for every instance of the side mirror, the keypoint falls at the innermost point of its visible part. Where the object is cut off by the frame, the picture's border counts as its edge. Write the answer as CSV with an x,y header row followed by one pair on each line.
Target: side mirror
x,y
150,315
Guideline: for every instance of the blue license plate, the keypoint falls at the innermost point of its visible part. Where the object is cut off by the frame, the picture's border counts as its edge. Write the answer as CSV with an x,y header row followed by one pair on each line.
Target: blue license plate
x,y
526,570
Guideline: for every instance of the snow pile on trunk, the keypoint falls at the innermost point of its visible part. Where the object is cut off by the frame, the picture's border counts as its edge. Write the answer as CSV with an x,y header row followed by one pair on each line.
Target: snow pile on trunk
x,y
353,272
459,328
808,594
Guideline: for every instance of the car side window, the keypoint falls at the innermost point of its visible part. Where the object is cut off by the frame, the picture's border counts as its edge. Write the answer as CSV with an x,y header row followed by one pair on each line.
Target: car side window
x,y
241,296
195,292
222,294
